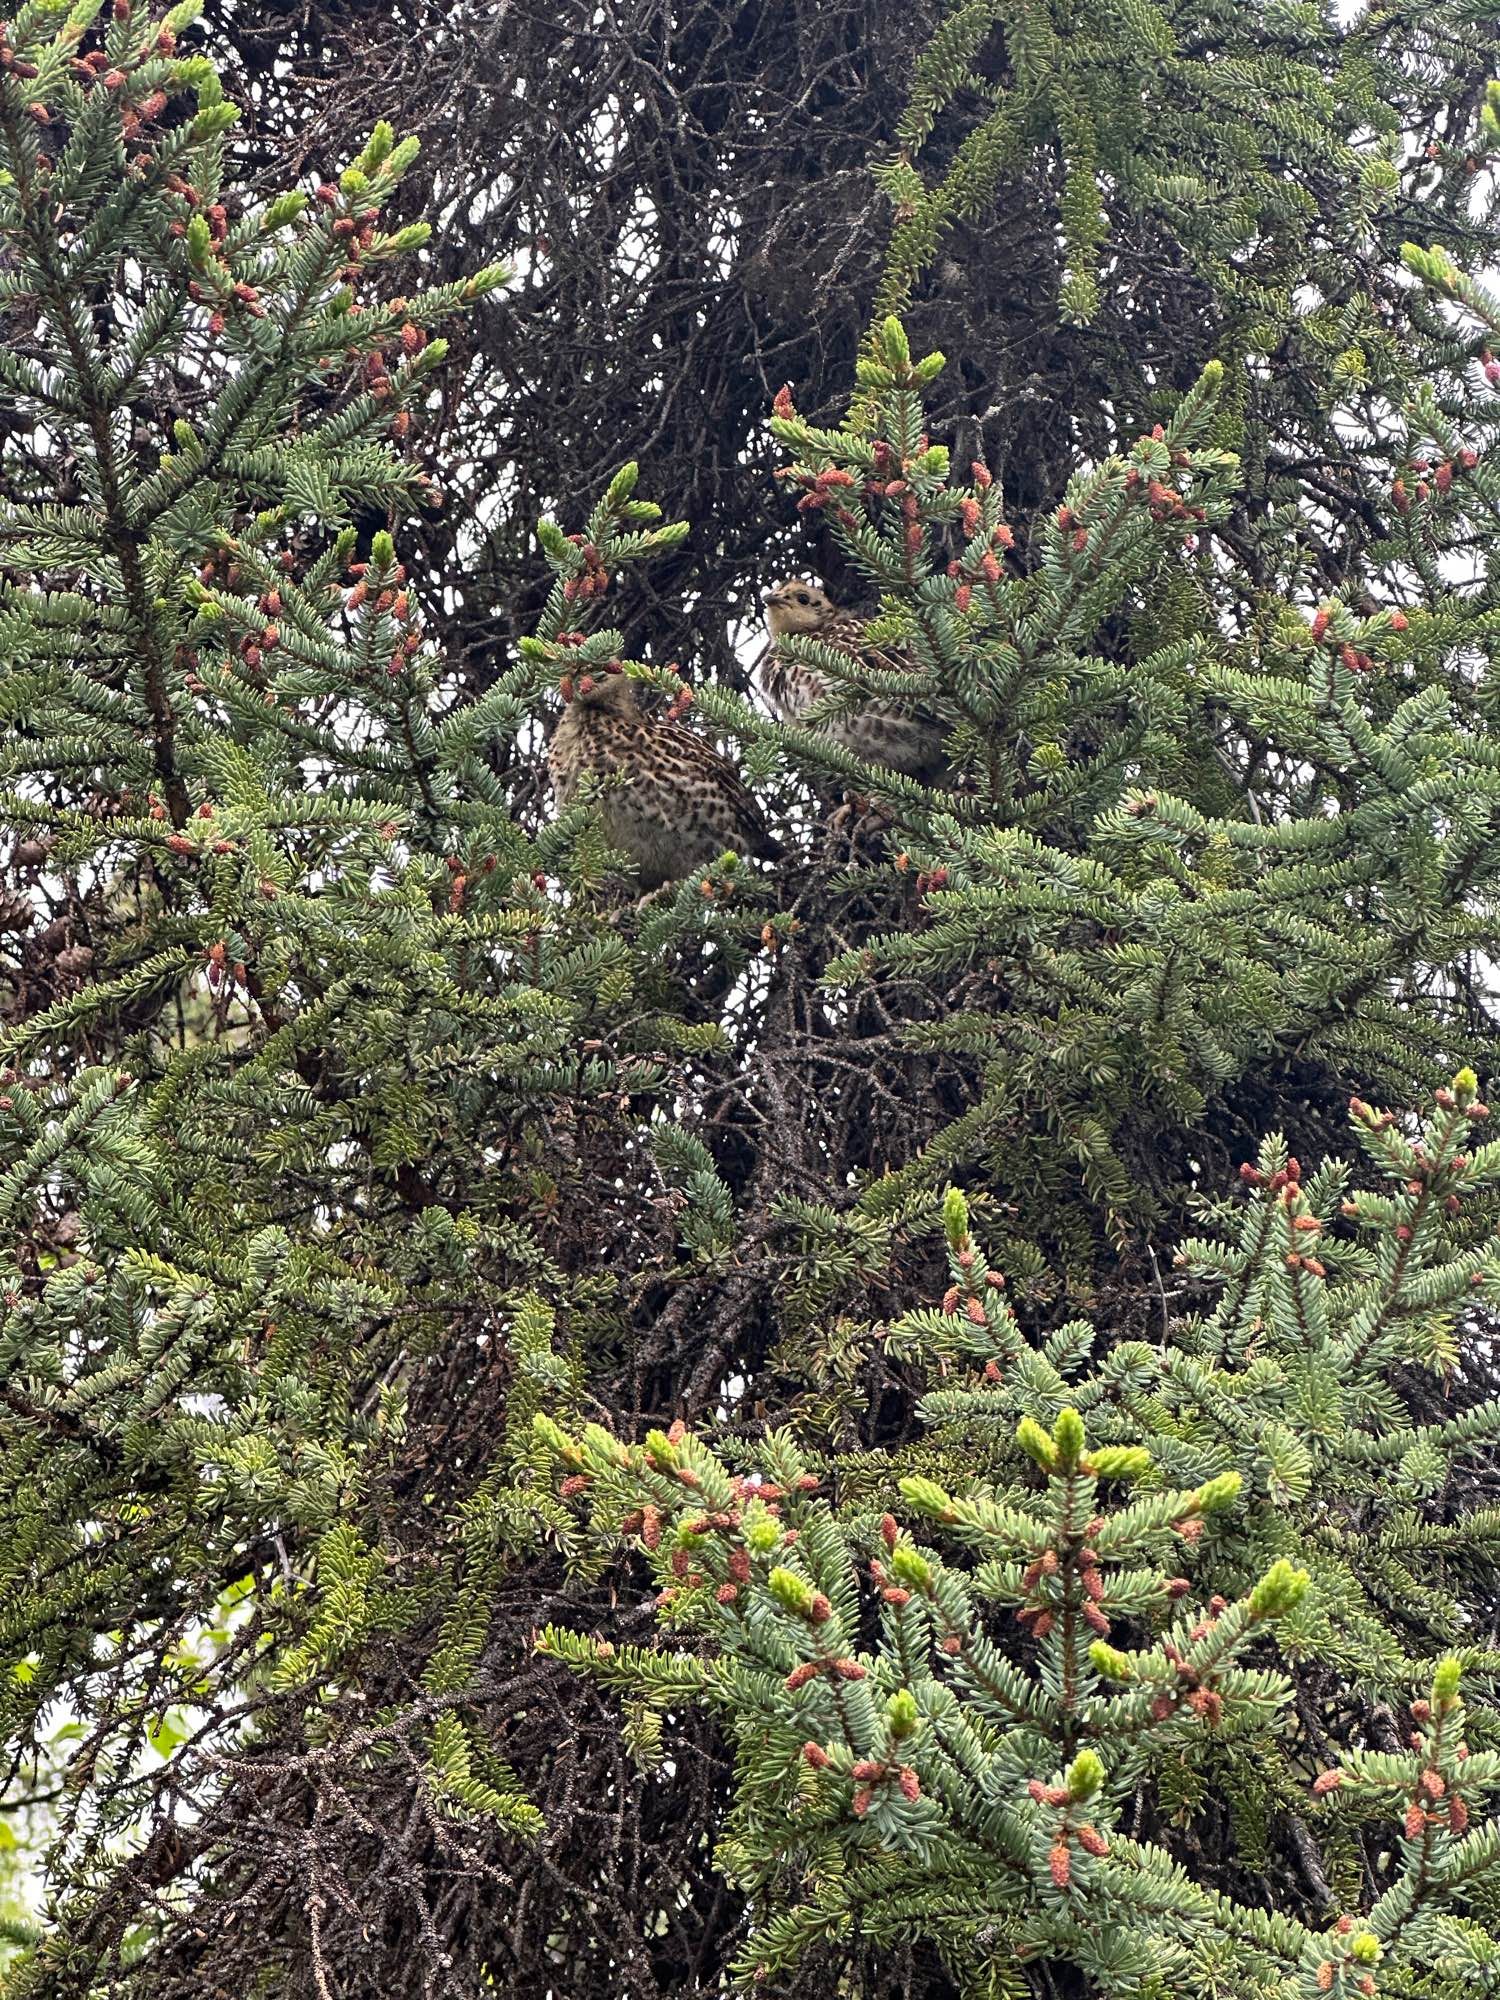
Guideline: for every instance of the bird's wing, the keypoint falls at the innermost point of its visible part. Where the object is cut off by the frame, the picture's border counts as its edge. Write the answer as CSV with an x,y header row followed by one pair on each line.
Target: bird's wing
x,y
887,662
848,635
741,802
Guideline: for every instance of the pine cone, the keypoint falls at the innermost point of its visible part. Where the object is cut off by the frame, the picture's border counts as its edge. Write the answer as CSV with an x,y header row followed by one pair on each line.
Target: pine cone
x,y
16,912
75,961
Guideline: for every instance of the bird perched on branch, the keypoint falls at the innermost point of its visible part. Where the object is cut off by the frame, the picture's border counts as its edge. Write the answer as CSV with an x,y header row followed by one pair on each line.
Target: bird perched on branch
x,y
674,804
905,740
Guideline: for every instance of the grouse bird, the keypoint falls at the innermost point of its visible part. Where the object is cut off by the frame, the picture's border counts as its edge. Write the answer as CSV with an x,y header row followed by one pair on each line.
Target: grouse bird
x,y
672,803
908,741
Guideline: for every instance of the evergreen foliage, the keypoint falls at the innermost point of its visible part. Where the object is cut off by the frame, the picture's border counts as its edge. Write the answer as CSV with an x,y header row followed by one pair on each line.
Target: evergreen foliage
x,y
957,1719
1254,168
424,1267
1152,920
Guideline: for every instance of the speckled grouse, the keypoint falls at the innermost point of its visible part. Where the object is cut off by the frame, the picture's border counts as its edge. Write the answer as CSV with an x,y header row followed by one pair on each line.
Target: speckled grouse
x,y
906,741
668,799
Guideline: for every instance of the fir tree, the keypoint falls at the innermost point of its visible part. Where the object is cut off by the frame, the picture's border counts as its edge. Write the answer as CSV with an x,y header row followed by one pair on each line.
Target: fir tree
x,y
956,1719
1230,180
413,1243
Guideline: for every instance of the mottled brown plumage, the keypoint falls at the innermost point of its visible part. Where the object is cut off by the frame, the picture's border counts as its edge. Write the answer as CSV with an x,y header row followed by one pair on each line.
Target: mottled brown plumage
x,y
906,741
665,796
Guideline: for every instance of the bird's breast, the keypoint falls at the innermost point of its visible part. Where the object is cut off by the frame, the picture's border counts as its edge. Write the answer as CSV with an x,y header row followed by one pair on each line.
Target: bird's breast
x,y
788,685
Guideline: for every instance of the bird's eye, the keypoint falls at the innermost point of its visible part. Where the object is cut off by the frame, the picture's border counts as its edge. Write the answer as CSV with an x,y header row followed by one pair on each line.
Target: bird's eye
x,y
803,598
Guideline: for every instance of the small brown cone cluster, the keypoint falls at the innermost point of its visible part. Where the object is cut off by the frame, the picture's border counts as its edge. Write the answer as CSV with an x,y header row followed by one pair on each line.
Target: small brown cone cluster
x,y
16,912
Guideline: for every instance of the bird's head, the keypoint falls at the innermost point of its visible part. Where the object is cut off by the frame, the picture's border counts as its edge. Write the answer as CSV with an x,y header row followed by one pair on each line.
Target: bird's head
x,y
607,688
797,607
